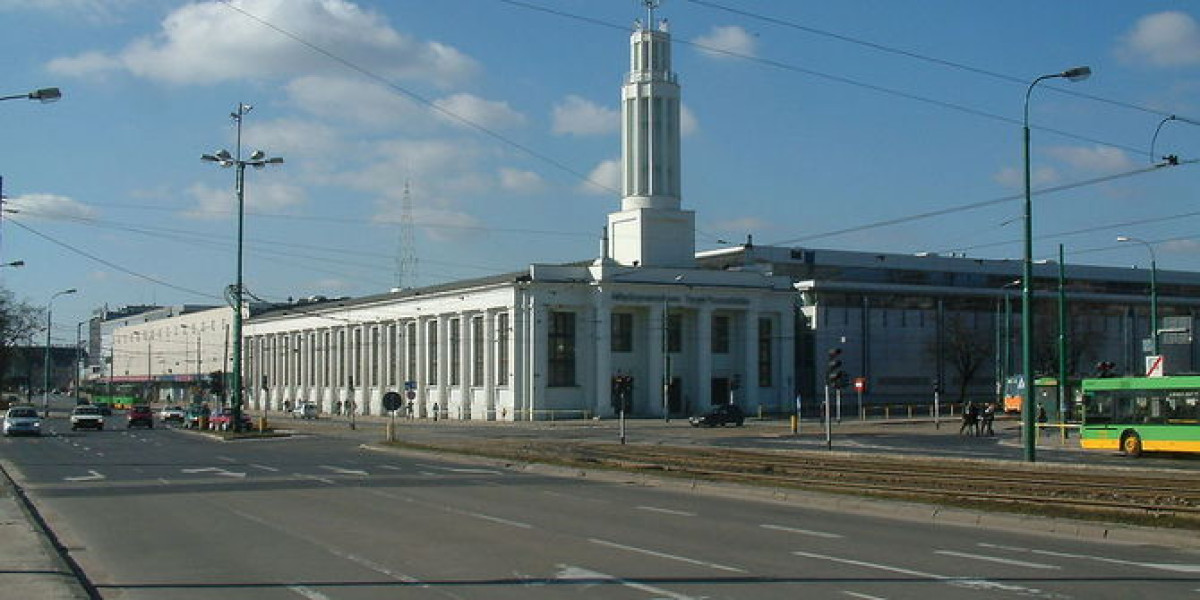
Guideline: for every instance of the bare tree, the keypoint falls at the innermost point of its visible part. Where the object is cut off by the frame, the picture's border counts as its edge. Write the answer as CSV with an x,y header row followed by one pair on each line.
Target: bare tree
x,y
966,349
18,322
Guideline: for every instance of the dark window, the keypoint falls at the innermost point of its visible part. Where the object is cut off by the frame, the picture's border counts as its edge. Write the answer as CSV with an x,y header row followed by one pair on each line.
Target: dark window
x,y
764,353
674,333
502,349
561,349
455,352
720,334
431,359
477,351
622,332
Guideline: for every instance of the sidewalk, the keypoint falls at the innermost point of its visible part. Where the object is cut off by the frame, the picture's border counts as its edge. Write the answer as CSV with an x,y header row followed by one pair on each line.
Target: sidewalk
x,y
30,565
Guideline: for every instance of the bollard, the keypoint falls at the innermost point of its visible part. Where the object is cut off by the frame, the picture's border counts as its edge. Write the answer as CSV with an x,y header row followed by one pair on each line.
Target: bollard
x,y
262,424
795,424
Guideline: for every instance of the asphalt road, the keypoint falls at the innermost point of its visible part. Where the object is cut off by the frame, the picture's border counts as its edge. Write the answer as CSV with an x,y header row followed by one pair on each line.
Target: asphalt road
x,y
164,513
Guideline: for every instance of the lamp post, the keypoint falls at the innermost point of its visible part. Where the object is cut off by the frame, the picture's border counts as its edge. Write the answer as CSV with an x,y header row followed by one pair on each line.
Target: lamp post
x,y
44,95
198,382
1153,288
257,160
1027,416
46,370
1004,340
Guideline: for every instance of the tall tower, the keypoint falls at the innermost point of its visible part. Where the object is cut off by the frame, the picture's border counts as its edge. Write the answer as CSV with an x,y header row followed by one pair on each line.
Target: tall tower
x,y
406,258
651,229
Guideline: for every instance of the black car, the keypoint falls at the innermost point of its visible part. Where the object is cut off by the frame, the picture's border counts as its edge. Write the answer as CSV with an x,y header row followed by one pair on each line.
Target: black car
x,y
725,414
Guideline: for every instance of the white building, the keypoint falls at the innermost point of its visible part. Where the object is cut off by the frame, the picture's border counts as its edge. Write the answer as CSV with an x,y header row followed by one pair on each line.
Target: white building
x,y
170,349
549,341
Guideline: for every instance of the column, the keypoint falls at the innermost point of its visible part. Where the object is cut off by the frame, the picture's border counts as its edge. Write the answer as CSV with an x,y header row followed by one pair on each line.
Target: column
x,y
750,360
603,352
704,317
655,349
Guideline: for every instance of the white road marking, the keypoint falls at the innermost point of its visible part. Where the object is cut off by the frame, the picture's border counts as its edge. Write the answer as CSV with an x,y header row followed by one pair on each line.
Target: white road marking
x,y
997,559
311,594
226,459
474,471
341,471
391,467
314,478
967,582
820,534
214,471
666,511
264,467
863,596
499,520
1174,567
684,559
570,573
93,476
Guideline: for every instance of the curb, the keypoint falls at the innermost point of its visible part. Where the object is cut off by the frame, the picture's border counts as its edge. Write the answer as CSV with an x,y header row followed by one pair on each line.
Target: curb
x,y
34,563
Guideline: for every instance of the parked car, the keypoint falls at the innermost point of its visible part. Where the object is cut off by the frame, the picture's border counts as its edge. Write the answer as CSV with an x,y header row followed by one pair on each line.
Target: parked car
x,y
305,410
140,415
222,420
87,417
725,414
195,413
172,414
22,420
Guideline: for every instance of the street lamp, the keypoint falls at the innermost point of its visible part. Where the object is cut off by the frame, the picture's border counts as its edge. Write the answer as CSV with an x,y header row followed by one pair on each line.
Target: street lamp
x,y
1004,339
257,160
199,381
46,370
44,95
1153,287
1075,74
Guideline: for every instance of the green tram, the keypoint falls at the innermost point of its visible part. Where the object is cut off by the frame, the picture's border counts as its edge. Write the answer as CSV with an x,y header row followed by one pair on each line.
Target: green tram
x,y
1141,414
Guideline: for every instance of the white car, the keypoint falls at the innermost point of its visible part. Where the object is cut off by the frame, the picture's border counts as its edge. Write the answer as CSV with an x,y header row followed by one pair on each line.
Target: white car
x,y
22,420
172,414
87,416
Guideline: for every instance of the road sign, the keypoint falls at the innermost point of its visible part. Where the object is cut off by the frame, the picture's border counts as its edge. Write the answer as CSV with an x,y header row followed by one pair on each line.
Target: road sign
x,y
411,394
392,401
1154,366
410,385
860,384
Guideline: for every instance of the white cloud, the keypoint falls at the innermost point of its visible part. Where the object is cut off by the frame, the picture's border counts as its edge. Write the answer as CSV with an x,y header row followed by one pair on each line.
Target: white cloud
x,y
1166,39
263,196
523,182
579,116
92,10
1013,178
485,113
688,124
355,101
1097,158
49,207
727,42
604,180
210,41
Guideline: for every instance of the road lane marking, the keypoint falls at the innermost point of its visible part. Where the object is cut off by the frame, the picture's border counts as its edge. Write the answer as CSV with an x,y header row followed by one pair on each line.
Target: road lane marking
x,y
997,559
311,594
214,471
570,573
820,534
674,557
341,471
314,478
1174,567
264,467
863,596
666,511
967,582
226,459
499,520
92,476
391,467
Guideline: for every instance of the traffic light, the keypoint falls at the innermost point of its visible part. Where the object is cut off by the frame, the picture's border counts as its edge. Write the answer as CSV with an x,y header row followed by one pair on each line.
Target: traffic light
x,y
835,376
1106,369
622,393
216,382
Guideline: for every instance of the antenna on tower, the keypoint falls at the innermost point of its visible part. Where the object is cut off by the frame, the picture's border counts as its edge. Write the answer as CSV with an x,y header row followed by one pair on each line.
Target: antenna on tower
x,y
406,259
651,6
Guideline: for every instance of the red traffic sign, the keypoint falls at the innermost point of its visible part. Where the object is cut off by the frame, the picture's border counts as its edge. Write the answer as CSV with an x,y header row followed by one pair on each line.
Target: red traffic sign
x,y
860,384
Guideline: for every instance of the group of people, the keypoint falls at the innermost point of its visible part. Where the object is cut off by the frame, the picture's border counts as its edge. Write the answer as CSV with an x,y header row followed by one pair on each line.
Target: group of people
x,y
977,420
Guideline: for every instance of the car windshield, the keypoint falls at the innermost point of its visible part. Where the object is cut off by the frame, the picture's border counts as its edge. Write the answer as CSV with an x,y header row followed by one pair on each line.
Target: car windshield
x,y
22,413
87,410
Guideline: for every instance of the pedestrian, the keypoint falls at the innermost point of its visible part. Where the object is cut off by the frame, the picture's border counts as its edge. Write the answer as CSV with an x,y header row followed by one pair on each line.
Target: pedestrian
x,y
337,410
989,415
1041,418
970,416
435,411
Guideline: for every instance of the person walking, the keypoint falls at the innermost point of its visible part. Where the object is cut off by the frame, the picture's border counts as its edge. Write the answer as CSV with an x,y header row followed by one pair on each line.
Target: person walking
x,y
970,417
989,416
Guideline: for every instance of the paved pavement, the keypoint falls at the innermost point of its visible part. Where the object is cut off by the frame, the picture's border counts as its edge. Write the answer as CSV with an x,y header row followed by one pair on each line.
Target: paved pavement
x,y
31,565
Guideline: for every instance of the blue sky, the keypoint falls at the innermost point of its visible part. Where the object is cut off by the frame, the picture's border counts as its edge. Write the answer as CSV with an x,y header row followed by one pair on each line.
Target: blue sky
x,y
808,122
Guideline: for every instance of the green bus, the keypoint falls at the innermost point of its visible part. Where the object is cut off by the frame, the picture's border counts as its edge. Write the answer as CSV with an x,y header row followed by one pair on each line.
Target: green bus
x,y
1141,414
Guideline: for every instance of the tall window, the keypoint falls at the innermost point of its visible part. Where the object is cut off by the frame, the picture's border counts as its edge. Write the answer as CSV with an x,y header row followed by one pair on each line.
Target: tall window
x,y
720,334
477,347
393,347
340,356
376,355
455,352
431,352
674,332
764,353
410,333
502,349
562,349
356,373
622,332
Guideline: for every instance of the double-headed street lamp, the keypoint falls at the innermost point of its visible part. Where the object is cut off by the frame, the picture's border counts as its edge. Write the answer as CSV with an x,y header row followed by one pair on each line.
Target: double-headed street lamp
x,y
1153,287
1027,416
44,95
46,371
257,160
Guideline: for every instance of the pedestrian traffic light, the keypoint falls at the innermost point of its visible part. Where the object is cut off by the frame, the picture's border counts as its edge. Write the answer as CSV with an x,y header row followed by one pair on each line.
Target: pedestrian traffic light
x,y
1106,369
834,375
